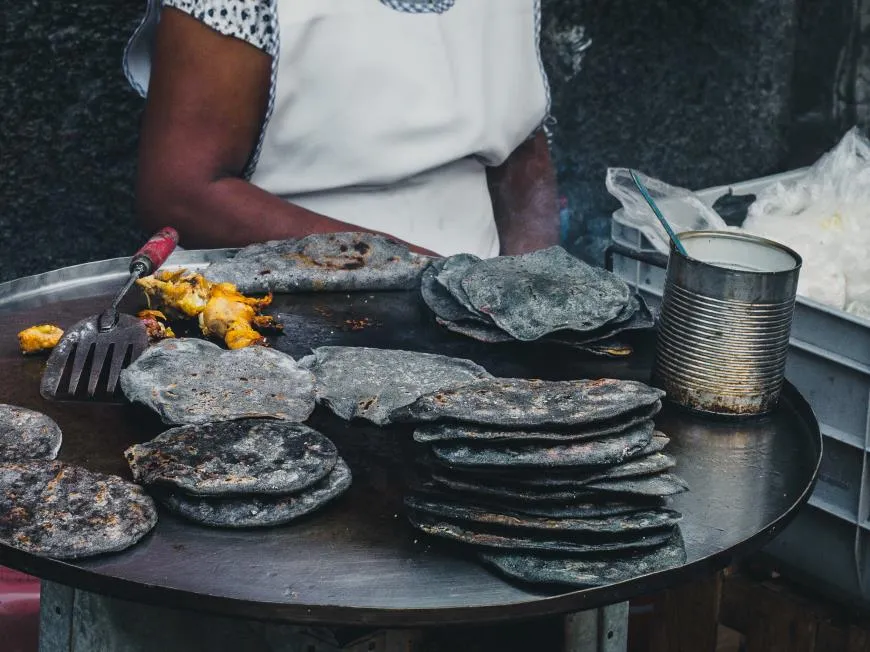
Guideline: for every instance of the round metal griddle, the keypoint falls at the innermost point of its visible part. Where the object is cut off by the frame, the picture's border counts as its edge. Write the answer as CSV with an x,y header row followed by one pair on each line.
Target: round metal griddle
x,y
358,561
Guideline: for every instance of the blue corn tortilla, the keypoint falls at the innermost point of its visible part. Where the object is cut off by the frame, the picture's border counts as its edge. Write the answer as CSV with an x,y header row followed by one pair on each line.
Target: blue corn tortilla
x,y
27,435
323,262
235,458
259,511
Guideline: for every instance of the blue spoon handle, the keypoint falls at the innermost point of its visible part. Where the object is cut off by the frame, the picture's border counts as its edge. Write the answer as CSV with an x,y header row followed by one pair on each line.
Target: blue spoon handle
x,y
658,213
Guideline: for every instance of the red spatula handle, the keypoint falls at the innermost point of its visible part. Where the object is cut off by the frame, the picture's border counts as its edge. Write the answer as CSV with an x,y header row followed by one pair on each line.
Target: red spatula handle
x,y
155,252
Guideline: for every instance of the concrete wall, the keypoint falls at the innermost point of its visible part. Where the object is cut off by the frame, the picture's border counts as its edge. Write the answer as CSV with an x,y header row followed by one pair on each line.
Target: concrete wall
x,y
694,91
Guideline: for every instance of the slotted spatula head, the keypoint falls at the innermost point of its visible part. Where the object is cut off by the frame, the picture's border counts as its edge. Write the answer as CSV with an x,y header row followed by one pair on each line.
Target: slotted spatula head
x,y
89,362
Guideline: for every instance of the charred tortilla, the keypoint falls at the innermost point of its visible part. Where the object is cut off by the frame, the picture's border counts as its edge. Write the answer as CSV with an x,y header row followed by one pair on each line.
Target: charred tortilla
x,y
244,457
612,524
614,449
472,433
535,294
330,262
57,510
191,381
259,511
27,435
479,535
520,403
587,570
368,383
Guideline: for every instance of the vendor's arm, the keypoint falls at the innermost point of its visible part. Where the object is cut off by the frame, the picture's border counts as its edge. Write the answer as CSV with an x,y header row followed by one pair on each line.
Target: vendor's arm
x,y
524,198
206,101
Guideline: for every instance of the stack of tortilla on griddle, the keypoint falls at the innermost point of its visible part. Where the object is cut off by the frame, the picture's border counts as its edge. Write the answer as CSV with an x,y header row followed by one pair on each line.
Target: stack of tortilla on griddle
x,y
546,296
550,482
242,473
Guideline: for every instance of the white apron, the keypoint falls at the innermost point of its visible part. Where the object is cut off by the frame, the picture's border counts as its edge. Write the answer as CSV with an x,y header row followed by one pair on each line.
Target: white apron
x,y
385,113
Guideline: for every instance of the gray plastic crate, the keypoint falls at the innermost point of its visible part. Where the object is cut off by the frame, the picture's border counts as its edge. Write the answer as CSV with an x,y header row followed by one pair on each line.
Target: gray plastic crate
x,y
829,362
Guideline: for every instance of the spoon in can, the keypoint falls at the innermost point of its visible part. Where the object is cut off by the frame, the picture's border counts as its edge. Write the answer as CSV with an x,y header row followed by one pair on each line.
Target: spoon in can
x,y
658,213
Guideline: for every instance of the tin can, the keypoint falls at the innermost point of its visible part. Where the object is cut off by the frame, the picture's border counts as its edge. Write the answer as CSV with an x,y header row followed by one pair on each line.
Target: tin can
x,y
725,322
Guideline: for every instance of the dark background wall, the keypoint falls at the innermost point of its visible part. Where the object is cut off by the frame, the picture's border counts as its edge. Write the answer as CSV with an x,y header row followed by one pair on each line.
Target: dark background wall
x,y
696,92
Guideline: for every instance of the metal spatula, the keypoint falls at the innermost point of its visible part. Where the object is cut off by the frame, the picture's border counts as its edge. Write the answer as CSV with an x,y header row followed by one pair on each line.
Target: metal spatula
x,y
104,344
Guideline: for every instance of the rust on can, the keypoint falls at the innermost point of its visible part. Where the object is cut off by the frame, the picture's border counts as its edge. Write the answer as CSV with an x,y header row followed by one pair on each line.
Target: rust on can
x,y
725,323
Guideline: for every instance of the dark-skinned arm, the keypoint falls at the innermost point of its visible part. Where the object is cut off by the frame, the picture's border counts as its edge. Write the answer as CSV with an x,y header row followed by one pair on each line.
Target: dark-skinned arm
x,y
524,198
206,101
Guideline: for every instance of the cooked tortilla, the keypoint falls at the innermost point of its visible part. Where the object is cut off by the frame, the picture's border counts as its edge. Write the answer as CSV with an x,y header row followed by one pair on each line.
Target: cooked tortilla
x,y
520,403
480,535
191,381
661,484
464,431
476,330
535,294
58,510
259,511
587,570
641,319
638,467
452,273
437,297
599,342
368,383
244,457
635,521
27,435
606,451
593,509
323,262
508,492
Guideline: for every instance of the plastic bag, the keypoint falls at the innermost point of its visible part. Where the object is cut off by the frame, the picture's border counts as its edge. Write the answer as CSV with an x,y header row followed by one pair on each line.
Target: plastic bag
x,y
683,210
825,216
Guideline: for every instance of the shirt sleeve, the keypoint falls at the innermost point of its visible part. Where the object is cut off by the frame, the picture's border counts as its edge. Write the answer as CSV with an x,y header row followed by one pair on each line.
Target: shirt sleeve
x,y
252,21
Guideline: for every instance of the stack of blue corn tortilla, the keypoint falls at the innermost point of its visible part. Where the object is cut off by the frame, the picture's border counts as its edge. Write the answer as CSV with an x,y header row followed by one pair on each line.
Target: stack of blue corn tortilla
x,y
548,482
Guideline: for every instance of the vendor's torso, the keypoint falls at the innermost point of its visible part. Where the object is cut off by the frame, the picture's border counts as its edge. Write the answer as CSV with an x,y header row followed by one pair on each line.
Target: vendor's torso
x,y
385,113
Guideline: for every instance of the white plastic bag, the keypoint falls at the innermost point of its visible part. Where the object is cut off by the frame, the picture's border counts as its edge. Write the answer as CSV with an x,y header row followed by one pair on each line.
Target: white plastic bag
x,y
825,216
683,210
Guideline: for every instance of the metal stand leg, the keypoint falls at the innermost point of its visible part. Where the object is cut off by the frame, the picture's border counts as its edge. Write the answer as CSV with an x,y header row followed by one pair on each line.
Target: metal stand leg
x,y
598,630
73,621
